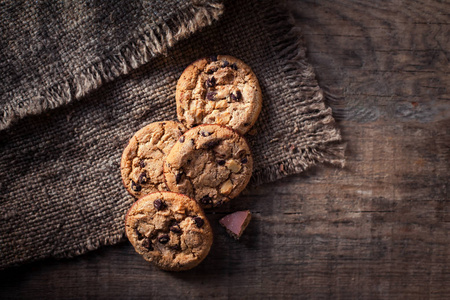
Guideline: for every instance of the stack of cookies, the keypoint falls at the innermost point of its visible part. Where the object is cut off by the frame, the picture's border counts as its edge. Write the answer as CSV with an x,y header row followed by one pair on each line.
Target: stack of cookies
x,y
176,169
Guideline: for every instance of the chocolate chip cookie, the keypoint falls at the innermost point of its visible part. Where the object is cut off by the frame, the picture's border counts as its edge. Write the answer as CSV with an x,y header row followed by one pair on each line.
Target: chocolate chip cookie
x,y
142,160
169,230
210,163
219,90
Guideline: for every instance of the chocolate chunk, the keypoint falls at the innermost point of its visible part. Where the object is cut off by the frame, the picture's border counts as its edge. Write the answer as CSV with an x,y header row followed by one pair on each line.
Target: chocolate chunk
x,y
163,239
182,139
211,96
175,227
192,142
234,66
206,200
213,57
175,247
211,144
178,177
236,222
135,187
244,160
159,204
246,124
205,133
147,243
143,178
225,64
142,163
211,82
221,162
139,235
199,222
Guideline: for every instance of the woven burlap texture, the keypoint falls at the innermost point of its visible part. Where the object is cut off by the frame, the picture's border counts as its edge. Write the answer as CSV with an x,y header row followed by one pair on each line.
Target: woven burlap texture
x,y
61,191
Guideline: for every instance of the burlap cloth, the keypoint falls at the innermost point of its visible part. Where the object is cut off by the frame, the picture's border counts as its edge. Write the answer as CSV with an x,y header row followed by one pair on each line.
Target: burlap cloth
x,y
93,74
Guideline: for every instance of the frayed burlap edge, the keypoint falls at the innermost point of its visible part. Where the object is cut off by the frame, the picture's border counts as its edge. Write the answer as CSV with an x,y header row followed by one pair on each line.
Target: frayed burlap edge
x,y
289,47
151,40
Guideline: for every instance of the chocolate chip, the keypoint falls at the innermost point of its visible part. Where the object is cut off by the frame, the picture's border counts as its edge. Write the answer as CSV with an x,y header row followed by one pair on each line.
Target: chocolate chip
x,y
246,124
159,204
175,227
147,243
244,160
237,96
206,200
211,71
175,247
211,82
225,64
234,66
211,96
182,139
178,177
163,239
213,58
199,222
143,178
205,133
221,162
211,144
139,235
192,142
135,187
142,163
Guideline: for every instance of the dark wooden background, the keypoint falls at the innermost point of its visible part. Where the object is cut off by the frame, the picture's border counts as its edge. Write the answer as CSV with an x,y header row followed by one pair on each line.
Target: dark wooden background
x,y
379,228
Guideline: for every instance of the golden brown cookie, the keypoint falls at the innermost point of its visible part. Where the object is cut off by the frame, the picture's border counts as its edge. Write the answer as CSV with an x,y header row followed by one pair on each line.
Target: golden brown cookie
x,y
210,163
219,90
169,230
142,160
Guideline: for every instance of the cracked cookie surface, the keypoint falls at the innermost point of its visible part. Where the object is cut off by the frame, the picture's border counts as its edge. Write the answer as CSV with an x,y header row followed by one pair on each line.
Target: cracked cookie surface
x,y
219,90
210,163
170,230
142,160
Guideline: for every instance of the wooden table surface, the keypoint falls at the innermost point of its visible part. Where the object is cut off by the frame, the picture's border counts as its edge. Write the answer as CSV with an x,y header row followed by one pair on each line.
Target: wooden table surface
x,y
379,228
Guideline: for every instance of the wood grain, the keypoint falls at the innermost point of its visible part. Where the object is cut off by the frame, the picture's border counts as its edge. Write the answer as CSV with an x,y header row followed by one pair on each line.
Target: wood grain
x,y
377,229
